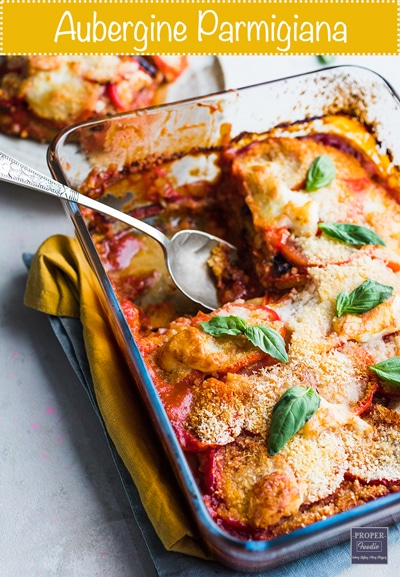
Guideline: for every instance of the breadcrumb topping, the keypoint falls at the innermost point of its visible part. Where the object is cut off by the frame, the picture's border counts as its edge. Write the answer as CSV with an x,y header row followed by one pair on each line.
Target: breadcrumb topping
x,y
221,390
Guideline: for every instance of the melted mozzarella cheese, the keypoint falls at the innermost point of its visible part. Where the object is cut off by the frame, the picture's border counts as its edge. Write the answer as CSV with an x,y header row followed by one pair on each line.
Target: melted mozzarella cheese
x,y
60,94
273,203
378,322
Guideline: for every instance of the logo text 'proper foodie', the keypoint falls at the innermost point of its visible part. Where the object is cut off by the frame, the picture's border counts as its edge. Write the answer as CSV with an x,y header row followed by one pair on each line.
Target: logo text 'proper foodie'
x,y
369,545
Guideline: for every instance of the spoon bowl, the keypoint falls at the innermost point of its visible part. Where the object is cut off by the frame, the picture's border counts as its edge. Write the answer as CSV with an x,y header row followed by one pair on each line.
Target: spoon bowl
x,y
186,254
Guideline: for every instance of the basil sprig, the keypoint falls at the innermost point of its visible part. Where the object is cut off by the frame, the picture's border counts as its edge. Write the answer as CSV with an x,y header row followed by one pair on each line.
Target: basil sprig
x,y
321,173
325,59
295,407
388,370
363,298
265,338
350,233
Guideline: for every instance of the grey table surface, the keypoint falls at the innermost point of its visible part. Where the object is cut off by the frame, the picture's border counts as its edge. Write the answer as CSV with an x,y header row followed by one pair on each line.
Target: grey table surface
x,y
63,509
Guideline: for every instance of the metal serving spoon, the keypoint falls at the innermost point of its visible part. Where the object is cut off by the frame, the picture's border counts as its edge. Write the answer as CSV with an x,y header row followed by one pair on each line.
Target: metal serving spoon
x,y
186,253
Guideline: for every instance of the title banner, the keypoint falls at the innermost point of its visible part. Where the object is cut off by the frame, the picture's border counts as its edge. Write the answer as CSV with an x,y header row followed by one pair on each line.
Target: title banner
x,y
241,27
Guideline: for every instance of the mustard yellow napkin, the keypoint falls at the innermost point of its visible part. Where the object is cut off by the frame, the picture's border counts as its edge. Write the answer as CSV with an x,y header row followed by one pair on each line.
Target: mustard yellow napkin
x,y
61,283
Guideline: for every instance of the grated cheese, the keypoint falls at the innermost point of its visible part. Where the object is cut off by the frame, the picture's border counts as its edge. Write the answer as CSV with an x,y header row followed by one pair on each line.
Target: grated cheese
x,y
231,404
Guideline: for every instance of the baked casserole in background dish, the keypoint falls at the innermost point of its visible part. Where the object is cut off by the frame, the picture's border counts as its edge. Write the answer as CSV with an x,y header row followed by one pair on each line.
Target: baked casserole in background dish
x,y
284,403
40,95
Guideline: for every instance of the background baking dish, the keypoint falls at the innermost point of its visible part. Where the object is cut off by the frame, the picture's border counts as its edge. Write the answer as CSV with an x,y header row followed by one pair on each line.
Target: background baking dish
x,y
204,122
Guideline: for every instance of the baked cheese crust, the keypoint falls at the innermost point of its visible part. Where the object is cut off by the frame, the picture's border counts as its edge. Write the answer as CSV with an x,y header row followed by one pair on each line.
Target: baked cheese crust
x,y
39,95
267,178
220,391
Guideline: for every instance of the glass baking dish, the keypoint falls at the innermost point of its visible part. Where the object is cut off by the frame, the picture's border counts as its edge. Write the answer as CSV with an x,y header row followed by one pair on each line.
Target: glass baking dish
x,y
201,124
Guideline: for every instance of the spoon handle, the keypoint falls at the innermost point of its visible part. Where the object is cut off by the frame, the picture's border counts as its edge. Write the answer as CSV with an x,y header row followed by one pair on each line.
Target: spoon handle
x,y
16,172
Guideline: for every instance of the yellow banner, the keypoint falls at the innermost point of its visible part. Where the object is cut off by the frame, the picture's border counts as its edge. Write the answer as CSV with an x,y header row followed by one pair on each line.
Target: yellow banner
x,y
197,27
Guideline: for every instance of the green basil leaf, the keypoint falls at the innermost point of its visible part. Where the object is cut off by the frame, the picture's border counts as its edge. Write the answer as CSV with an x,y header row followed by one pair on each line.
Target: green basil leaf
x,y
265,338
388,370
219,326
325,59
295,407
268,340
350,233
362,299
321,173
